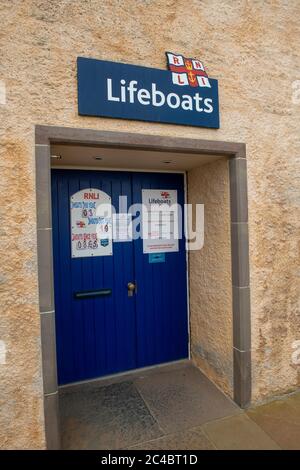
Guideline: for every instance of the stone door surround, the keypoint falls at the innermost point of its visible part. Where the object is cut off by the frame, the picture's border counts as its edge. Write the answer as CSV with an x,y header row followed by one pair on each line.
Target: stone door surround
x,y
47,135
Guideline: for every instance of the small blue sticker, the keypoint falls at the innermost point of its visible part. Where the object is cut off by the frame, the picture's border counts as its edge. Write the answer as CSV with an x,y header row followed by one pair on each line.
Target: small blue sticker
x,y
157,257
104,242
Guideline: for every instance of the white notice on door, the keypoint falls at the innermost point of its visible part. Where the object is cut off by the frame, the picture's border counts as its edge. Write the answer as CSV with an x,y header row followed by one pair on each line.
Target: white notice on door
x,y
160,220
122,227
91,223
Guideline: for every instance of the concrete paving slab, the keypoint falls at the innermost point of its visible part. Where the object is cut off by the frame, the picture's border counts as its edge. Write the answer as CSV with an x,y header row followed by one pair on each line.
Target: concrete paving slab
x,y
191,439
184,398
171,408
281,420
109,417
238,433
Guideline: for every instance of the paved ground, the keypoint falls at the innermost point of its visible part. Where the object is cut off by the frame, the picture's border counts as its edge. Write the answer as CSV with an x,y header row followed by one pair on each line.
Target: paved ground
x,y
170,408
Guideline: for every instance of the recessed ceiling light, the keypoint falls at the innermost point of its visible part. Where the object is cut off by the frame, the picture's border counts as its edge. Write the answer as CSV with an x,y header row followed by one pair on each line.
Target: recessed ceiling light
x,y
57,157
98,158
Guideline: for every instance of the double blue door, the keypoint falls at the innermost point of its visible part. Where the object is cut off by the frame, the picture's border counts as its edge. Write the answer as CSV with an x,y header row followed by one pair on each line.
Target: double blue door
x,y
97,336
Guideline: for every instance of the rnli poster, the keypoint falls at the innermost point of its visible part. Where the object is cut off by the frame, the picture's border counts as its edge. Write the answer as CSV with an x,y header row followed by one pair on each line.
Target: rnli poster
x,y
91,223
160,221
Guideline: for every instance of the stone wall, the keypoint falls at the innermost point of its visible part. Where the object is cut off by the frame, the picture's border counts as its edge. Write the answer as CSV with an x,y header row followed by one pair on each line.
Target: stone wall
x,y
210,276
252,48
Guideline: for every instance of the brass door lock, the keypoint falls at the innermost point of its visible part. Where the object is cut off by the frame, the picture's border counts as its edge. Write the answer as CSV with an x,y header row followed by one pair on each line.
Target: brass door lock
x,y
131,288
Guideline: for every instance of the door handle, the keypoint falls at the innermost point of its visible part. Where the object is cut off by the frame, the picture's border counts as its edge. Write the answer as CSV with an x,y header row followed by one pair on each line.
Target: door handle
x,y
131,288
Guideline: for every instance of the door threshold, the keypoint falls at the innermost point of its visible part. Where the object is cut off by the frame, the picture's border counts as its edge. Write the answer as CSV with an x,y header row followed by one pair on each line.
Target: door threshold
x,y
127,375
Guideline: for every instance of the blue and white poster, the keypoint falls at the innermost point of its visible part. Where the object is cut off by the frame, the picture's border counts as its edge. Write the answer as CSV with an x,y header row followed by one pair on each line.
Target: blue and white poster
x,y
91,223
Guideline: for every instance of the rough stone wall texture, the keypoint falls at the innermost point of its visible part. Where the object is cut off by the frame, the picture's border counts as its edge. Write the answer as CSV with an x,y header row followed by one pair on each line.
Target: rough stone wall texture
x,y
210,276
252,47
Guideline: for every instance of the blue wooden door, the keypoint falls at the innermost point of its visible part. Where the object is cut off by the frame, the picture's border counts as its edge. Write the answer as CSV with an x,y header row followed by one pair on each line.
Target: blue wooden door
x,y
161,301
97,336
